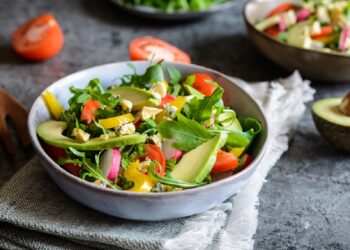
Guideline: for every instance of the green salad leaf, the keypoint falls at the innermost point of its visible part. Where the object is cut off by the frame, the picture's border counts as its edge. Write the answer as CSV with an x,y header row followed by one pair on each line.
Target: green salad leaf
x,y
166,180
188,133
152,75
201,109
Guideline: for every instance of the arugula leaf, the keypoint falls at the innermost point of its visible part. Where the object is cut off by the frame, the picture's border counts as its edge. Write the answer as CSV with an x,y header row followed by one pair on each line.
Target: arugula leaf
x,y
201,109
171,181
189,134
152,75
174,74
149,127
93,170
174,84
251,128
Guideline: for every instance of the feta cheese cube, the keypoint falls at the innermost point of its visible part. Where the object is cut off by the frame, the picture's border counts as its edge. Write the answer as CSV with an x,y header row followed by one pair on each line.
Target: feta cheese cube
x,y
80,135
149,113
158,90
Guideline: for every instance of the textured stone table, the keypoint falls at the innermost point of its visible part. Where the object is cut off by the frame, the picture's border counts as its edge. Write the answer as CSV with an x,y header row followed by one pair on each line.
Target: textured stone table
x,y
305,202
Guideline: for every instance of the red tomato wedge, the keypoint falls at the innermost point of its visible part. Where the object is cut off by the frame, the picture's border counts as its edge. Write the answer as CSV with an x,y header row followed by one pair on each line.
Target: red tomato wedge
x,y
54,152
167,99
325,31
155,154
281,8
74,169
224,161
273,31
151,48
203,84
38,39
89,109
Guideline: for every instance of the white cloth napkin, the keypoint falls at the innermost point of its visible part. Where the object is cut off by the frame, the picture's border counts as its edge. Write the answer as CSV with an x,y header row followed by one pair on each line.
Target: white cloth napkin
x,y
233,224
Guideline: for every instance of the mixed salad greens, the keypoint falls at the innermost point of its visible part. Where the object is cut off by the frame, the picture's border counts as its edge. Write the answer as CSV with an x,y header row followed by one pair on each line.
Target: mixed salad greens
x,y
176,5
147,134
315,24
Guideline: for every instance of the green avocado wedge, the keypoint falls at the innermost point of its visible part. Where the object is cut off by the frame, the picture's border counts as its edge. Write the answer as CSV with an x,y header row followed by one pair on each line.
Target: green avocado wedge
x,y
192,91
195,165
139,97
331,123
51,133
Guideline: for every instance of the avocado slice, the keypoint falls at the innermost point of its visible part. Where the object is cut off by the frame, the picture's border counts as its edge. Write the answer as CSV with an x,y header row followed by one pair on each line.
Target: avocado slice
x,y
192,91
195,165
138,97
227,121
299,35
331,123
51,132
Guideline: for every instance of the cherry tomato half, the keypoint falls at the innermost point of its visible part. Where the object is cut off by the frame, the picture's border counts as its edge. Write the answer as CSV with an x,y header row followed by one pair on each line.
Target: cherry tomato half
x,y
273,31
151,48
39,38
203,84
281,8
155,154
89,109
224,161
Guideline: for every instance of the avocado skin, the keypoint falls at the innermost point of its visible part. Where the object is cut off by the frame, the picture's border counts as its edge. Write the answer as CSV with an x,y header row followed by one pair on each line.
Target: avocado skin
x,y
336,134
51,133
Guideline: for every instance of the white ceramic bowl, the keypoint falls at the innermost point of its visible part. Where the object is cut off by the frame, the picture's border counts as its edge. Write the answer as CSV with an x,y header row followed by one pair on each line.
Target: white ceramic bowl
x,y
147,206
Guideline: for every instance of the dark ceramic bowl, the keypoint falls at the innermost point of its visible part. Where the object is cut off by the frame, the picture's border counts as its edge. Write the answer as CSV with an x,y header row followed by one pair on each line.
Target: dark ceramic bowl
x,y
175,16
315,65
147,206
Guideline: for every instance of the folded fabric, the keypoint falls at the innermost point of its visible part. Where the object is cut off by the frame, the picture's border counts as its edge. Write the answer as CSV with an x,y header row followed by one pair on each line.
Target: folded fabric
x,y
36,214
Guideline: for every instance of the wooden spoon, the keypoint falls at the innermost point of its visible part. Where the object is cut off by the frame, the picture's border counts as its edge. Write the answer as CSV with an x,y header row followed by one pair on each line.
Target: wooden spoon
x,y
12,109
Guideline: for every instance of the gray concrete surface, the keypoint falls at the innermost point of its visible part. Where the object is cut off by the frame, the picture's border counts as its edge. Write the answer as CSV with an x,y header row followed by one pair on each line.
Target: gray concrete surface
x,y
305,202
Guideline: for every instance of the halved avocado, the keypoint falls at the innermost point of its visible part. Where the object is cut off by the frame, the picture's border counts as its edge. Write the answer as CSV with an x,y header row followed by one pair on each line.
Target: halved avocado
x,y
331,123
51,133
138,97
195,165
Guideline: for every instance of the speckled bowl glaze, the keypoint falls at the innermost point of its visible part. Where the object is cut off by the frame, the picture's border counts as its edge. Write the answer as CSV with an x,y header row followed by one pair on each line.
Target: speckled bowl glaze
x,y
315,65
175,16
147,206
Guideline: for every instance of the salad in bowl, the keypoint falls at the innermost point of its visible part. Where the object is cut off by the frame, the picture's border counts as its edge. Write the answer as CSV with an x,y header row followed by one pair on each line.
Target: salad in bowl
x,y
144,133
143,141
321,25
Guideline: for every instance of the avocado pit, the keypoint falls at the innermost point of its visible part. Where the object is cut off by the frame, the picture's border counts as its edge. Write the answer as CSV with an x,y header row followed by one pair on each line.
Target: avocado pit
x,y
332,120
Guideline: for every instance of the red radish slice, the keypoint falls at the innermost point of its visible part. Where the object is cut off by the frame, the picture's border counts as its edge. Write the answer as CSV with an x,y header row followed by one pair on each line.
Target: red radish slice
x,y
169,151
344,38
303,14
282,24
110,163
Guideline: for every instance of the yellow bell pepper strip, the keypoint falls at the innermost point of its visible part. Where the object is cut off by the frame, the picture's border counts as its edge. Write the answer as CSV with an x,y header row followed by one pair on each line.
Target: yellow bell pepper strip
x,y
237,151
54,106
116,121
179,102
142,182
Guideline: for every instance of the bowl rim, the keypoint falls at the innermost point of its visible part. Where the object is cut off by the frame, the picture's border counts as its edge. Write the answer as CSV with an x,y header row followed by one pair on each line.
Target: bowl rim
x,y
155,11
85,184
312,51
